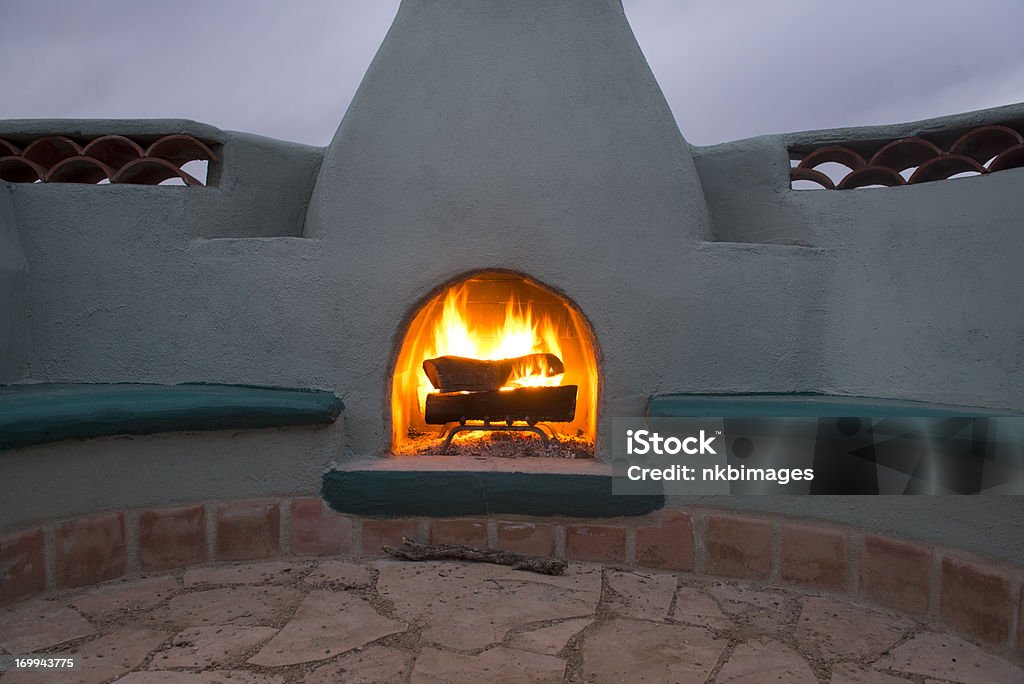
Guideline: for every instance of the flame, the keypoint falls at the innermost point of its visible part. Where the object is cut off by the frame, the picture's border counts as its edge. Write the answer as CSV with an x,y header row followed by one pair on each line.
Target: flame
x,y
454,324
519,333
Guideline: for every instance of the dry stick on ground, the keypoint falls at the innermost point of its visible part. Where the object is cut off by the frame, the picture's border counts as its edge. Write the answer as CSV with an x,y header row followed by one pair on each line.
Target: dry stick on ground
x,y
415,551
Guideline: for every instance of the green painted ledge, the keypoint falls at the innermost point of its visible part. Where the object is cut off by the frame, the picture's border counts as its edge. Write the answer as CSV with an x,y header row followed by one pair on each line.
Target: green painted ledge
x,y
37,414
441,494
804,406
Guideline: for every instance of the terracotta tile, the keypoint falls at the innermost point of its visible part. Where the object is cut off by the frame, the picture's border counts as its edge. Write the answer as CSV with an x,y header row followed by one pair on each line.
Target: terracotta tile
x,y
814,556
976,599
248,530
172,537
535,539
739,547
598,543
1020,622
317,530
22,565
468,532
377,533
669,545
90,550
895,574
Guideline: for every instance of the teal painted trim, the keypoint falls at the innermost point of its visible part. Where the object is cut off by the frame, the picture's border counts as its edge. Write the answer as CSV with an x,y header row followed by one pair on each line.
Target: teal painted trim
x,y
804,406
36,414
442,494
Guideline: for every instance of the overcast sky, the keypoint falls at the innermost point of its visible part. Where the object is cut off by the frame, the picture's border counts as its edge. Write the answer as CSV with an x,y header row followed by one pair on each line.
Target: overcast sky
x,y
729,68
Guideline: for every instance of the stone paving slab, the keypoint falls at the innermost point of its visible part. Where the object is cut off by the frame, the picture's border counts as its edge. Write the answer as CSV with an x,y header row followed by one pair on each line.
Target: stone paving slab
x,y
766,660
341,573
639,595
270,572
841,630
240,605
108,599
949,657
852,673
36,625
620,650
370,665
505,665
209,646
696,607
467,607
550,639
332,620
326,624
101,659
219,677
757,611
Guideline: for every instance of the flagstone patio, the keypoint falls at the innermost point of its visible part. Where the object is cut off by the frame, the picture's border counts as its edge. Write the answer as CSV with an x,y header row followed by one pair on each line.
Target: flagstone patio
x,y
390,621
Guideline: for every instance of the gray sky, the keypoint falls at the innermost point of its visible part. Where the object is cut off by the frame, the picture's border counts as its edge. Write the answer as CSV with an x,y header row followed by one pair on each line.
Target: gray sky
x,y
729,68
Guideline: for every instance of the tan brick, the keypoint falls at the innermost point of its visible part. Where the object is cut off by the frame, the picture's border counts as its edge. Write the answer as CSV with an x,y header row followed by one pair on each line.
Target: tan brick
x,y
1020,621
248,530
172,537
22,565
318,530
377,533
976,599
468,532
895,574
535,539
597,543
90,550
814,556
739,547
669,545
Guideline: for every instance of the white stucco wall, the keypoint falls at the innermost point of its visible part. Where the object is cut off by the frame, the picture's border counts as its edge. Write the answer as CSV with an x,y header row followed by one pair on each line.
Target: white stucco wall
x,y
13,276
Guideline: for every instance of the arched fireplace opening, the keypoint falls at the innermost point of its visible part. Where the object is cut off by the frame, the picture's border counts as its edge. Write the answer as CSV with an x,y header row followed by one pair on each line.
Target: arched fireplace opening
x,y
496,364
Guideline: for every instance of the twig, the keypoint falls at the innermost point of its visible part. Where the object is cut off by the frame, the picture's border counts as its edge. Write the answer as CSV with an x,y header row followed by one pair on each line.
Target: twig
x,y
415,551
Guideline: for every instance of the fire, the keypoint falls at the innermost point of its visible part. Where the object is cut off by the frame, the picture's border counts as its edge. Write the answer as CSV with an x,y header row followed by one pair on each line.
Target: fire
x,y
468,322
517,335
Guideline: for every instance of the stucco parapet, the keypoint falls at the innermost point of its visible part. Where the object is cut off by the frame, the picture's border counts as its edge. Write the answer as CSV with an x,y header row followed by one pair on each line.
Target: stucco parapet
x,y
950,126
19,130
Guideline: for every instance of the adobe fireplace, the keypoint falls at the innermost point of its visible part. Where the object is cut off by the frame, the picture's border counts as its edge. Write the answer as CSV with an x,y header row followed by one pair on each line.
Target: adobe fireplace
x,y
492,354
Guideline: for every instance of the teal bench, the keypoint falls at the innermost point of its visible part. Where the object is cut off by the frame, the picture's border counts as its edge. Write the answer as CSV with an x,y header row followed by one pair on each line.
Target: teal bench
x,y
37,414
804,406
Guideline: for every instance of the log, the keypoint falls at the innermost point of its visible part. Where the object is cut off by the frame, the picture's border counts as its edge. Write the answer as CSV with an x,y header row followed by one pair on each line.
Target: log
x,y
459,374
415,551
535,404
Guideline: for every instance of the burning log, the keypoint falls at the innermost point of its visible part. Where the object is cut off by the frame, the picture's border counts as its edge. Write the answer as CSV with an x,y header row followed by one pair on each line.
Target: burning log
x,y
458,374
415,551
532,404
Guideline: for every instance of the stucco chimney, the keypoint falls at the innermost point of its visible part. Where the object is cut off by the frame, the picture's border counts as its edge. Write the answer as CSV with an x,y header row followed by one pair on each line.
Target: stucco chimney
x,y
539,117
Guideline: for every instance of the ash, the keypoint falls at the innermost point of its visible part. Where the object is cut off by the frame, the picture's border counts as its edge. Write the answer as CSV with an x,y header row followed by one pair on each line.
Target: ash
x,y
506,445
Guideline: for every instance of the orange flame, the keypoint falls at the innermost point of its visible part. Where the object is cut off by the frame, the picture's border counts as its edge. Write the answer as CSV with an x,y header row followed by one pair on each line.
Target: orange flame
x,y
453,325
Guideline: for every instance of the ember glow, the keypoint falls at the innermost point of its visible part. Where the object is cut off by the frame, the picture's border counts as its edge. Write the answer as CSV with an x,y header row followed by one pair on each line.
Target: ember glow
x,y
492,317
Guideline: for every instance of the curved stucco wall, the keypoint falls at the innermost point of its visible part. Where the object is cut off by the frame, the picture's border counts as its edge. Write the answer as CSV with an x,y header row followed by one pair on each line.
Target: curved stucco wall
x,y
922,301
13,274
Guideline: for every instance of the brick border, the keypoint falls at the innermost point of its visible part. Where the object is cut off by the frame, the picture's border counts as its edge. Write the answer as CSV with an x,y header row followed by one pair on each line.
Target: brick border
x,y
979,597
